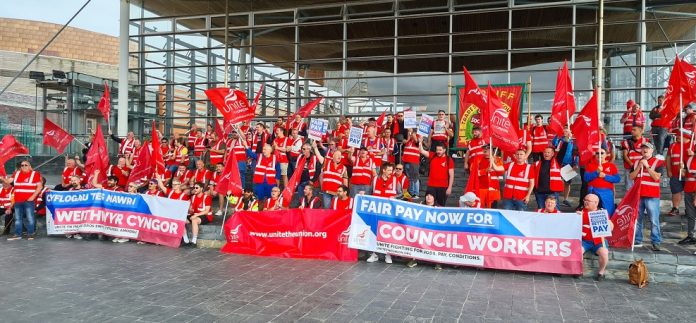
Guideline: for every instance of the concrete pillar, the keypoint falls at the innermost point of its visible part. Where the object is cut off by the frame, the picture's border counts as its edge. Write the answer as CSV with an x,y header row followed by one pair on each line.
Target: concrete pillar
x,y
122,114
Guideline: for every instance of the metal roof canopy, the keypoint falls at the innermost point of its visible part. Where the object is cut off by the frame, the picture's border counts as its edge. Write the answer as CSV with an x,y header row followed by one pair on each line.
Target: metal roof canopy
x,y
537,30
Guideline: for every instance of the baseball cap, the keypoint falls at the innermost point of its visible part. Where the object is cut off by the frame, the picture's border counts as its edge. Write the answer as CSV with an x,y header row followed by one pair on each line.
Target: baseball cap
x,y
468,197
647,144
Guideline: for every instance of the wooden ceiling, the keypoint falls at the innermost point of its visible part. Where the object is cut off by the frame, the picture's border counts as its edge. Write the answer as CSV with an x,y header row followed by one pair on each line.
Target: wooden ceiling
x,y
479,34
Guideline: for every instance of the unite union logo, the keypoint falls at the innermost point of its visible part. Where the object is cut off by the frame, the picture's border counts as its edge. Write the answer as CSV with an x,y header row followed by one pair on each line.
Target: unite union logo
x,y
343,237
234,233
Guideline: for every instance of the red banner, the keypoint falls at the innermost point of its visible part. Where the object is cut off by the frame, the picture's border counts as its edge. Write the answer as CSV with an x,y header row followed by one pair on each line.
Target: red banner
x,y
55,136
624,219
294,233
232,104
468,114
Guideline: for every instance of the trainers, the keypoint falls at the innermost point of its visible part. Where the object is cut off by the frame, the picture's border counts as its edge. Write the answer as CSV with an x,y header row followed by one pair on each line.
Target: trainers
x,y
566,203
673,212
78,237
638,245
14,237
30,237
68,236
387,259
438,267
656,247
687,241
218,213
373,257
411,263
600,277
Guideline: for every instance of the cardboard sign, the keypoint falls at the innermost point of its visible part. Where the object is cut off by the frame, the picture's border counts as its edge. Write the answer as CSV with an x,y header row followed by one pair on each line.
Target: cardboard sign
x,y
599,223
355,137
568,173
410,121
317,128
426,122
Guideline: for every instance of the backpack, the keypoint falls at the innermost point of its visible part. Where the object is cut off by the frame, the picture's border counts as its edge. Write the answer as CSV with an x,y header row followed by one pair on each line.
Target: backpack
x,y
638,273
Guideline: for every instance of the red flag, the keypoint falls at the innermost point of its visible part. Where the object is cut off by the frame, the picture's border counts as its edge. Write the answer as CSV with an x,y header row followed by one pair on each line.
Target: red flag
x,y
230,181
97,157
257,97
624,219
474,96
304,111
55,136
105,104
9,148
502,131
143,165
232,104
563,102
381,119
219,131
294,180
227,127
157,158
688,80
585,129
674,96
473,184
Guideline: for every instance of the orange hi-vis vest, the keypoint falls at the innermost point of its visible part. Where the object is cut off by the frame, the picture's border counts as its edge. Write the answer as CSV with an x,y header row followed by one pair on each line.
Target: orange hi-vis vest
x,y
362,171
332,176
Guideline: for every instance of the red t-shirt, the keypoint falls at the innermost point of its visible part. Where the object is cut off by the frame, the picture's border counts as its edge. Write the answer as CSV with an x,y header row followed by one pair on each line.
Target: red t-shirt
x,y
439,170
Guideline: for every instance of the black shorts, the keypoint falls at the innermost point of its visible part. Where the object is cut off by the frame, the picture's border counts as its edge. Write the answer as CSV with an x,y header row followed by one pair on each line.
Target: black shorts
x,y
204,219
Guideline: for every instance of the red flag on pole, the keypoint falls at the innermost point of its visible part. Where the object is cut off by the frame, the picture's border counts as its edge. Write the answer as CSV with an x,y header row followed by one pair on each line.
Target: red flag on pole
x,y
9,148
675,88
105,104
55,136
230,181
97,157
304,111
474,96
221,134
232,104
586,129
689,80
502,131
473,184
143,165
624,219
289,190
563,102
257,97
157,158
381,119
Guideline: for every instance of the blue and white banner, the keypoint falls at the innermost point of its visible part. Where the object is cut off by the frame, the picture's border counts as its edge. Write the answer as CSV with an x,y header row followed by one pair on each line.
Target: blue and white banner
x,y
499,239
124,215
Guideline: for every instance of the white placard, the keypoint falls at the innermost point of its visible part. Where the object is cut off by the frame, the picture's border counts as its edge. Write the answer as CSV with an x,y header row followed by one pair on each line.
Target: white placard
x,y
317,129
568,173
410,120
355,137
599,223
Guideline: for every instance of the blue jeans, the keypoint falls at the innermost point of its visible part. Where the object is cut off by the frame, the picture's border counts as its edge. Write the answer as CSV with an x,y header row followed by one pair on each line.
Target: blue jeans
x,y
192,162
516,205
411,171
659,138
173,168
263,190
242,172
24,209
541,199
326,200
652,206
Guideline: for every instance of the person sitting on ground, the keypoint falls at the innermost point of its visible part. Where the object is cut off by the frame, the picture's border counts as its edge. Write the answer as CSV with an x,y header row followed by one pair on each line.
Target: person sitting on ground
x,y
597,246
248,202
428,201
550,205
275,202
199,212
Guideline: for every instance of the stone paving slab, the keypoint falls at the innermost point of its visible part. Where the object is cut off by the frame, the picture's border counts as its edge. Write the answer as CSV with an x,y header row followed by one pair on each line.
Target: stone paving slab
x,y
58,280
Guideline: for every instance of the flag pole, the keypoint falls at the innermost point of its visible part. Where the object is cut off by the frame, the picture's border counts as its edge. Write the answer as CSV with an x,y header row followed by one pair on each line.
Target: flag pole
x,y
679,133
449,104
227,15
50,160
224,217
529,103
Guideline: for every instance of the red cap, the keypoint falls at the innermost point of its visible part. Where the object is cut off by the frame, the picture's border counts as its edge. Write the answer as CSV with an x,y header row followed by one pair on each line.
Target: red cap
x,y
630,103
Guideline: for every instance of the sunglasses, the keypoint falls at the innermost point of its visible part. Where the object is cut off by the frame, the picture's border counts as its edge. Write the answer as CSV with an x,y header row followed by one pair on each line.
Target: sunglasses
x,y
196,188
25,165
399,169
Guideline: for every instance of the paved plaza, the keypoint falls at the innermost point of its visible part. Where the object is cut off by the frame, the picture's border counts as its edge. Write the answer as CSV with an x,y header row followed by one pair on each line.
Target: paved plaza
x,y
59,280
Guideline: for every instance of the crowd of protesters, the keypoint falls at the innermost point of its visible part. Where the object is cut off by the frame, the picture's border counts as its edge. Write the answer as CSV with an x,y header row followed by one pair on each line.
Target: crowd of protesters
x,y
389,163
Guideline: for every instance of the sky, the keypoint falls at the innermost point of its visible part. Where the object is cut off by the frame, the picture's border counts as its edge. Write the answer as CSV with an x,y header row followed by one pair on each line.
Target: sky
x,y
99,15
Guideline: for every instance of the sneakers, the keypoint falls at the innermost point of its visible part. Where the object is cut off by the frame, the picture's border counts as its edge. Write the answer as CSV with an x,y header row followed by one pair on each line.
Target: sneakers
x,y
673,212
218,213
566,203
656,247
120,240
638,245
687,241
600,277
411,263
14,237
373,257
31,237
438,267
387,259
77,236
68,236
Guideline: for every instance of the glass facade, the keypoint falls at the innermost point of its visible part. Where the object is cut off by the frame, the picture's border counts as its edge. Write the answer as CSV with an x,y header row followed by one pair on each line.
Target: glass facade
x,y
366,57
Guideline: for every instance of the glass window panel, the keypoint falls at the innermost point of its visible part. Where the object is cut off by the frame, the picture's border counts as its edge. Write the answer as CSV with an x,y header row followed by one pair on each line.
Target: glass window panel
x,y
423,6
379,9
497,20
272,18
367,48
321,50
542,38
368,86
423,103
184,24
319,14
676,30
232,21
422,84
481,62
424,25
586,35
540,60
150,26
191,40
155,42
369,106
479,4
429,64
371,29
274,36
480,42
325,32
422,45
542,17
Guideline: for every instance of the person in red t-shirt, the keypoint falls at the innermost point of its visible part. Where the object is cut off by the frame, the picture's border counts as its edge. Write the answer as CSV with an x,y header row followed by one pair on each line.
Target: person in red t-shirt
x,y
200,210
441,172
27,187
589,243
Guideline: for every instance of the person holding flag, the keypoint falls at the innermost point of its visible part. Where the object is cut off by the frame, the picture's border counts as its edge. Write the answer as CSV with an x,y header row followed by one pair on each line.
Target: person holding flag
x,y
689,175
600,178
216,149
126,146
659,133
631,151
475,147
649,170
275,202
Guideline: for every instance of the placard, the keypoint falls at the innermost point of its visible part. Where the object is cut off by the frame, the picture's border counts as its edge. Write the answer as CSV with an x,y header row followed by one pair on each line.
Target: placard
x,y
426,122
568,173
599,223
317,128
355,137
410,121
